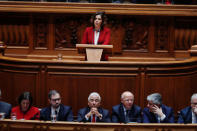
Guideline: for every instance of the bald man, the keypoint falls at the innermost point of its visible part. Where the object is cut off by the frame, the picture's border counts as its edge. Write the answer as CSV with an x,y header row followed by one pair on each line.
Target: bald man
x,y
126,111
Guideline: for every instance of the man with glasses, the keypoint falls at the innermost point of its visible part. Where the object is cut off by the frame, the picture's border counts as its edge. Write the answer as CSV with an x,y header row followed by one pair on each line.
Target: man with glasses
x,y
189,114
93,113
126,111
56,110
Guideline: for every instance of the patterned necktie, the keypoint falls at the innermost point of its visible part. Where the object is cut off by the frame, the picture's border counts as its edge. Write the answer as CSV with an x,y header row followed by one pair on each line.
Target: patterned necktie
x,y
93,118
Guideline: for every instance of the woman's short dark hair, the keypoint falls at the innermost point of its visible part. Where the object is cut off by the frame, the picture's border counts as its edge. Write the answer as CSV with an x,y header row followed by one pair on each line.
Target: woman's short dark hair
x,y
25,96
103,17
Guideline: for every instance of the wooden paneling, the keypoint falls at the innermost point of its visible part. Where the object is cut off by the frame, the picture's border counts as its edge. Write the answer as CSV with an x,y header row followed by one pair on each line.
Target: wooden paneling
x,y
13,84
148,29
175,80
76,89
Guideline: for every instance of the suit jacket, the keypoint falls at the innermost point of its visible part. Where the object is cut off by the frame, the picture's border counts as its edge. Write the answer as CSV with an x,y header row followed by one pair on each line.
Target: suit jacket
x,y
146,1
118,114
64,114
82,112
185,115
104,37
6,108
186,2
149,117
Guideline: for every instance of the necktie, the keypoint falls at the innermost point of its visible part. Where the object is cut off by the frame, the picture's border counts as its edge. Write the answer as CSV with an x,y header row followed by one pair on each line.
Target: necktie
x,y
127,116
196,118
158,119
93,118
56,112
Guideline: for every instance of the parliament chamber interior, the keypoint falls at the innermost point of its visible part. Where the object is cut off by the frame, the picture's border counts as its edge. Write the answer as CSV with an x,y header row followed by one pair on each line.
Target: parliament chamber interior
x,y
154,50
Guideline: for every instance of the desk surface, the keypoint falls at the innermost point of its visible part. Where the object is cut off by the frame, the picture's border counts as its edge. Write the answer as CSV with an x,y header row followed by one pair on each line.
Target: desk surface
x,y
10,125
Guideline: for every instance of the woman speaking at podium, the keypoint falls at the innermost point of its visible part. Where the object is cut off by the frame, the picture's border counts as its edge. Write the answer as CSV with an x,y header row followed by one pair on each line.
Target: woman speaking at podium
x,y
97,34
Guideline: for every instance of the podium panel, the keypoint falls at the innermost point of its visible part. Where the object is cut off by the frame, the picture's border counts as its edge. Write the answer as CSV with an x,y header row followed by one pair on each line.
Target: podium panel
x,y
94,52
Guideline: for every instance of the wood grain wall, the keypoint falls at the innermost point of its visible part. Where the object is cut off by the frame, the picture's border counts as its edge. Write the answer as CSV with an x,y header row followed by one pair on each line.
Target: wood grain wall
x,y
75,80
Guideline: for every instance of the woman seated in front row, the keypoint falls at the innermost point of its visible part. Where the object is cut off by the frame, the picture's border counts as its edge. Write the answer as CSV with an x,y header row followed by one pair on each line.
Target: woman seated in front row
x,y
25,110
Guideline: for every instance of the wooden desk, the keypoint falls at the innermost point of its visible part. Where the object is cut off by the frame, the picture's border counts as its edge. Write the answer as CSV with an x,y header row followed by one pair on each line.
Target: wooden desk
x,y
9,125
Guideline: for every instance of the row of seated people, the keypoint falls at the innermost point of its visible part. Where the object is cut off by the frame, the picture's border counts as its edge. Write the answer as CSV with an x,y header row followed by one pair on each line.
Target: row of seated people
x,y
125,112
123,1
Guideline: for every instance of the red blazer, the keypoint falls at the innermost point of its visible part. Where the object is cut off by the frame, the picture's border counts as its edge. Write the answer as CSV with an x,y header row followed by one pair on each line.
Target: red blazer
x,y
32,114
104,37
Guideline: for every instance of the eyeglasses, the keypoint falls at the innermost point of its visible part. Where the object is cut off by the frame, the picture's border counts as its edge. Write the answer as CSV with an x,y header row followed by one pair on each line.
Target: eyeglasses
x,y
194,103
57,99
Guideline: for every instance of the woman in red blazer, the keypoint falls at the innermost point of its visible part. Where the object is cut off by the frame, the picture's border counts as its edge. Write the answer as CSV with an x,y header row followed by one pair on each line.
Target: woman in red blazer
x,y
25,110
97,34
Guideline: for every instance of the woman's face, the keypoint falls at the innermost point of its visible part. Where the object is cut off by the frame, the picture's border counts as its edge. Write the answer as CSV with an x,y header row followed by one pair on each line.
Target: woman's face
x,y
97,21
25,105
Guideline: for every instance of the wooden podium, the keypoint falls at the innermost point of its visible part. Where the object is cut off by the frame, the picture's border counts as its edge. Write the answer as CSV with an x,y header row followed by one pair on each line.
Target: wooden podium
x,y
94,52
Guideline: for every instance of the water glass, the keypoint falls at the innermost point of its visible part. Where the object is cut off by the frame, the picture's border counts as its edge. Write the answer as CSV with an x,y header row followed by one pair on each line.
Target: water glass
x,y
59,56
2,115
53,118
13,116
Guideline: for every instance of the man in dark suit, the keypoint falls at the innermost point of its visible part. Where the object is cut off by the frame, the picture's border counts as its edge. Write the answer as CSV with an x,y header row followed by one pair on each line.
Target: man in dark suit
x,y
60,111
156,112
146,1
63,0
126,111
5,108
183,2
189,114
93,113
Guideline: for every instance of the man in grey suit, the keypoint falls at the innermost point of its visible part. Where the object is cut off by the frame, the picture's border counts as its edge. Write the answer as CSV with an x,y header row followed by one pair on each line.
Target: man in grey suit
x,y
5,107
